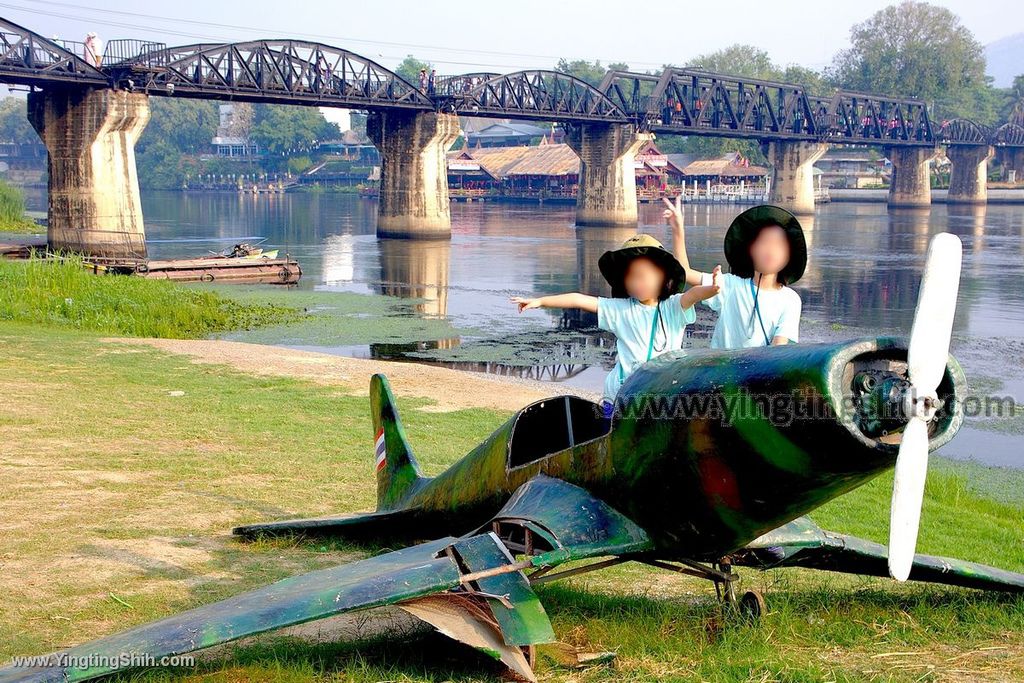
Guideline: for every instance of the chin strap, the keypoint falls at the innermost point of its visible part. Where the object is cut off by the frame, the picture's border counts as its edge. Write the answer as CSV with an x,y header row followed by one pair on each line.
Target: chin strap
x,y
757,310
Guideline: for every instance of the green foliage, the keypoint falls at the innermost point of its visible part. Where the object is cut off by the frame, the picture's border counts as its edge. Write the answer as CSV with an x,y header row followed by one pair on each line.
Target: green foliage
x,y
410,67
12,211
739,60
186,125
66,294
920,50
160,166
299,164
14,125
591,72
285,129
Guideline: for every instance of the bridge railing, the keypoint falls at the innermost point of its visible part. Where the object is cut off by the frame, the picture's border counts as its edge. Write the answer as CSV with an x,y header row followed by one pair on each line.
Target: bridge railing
x,y
457,84
75,47
129,51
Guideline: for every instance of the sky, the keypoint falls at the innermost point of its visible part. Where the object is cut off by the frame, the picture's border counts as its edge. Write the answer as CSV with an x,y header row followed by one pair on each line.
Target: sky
x,y
505,36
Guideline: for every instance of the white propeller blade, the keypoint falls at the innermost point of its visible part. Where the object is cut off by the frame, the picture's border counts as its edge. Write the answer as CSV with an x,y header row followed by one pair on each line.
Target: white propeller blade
x,y
933,319
907,496
926,359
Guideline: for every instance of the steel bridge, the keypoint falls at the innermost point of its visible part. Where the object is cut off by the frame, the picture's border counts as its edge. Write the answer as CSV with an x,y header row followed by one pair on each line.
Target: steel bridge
x,y
678,101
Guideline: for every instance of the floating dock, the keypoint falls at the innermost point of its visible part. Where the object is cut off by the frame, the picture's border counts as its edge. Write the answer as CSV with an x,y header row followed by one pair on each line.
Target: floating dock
x,y
223,269
258,270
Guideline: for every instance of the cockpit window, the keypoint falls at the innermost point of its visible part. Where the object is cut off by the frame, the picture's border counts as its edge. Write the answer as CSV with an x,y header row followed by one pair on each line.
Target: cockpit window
x,y
554,425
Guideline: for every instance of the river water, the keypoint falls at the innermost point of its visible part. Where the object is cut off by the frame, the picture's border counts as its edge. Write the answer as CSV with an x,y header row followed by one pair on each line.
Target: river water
x,y
862,279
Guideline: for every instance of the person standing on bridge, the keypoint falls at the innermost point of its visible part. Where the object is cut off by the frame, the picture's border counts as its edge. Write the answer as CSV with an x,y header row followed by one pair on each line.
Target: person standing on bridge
x,y
647,312
93,49
766,252
430,81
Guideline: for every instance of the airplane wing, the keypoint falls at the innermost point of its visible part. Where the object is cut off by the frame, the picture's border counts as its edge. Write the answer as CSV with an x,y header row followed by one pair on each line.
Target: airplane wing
x,y
471,588
802,543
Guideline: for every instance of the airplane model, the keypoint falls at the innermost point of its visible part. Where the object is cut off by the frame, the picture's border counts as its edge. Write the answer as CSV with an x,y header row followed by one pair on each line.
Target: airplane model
x,y
709,463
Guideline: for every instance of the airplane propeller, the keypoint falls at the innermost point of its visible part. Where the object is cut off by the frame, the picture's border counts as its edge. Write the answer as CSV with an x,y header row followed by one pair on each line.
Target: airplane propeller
x,y
926,359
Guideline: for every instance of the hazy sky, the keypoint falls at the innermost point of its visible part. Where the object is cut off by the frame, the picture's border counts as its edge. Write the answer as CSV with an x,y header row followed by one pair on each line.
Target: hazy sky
x,y
503,36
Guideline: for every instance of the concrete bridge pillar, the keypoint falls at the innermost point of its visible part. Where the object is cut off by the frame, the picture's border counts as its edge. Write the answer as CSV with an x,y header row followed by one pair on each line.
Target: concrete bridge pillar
x,y
793,173
90,135
414,198
606,195
911,180
968,176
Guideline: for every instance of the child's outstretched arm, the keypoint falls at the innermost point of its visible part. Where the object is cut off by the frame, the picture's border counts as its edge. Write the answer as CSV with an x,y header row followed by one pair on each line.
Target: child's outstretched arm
x,y
570,300
674,215
701,292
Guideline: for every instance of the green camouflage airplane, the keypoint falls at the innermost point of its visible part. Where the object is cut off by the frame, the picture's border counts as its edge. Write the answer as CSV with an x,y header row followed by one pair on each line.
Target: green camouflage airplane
x,y
709,463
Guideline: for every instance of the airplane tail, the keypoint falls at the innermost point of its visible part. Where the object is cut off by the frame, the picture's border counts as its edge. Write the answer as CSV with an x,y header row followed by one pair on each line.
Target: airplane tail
x,y
397,469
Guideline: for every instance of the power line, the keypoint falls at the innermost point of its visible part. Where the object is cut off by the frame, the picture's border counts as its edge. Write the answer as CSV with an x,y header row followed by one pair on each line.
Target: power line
x,y
221,38
234,27
315,35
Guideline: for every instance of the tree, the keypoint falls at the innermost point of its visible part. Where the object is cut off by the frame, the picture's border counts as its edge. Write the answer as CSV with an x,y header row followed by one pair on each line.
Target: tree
x,y
159,167
739,60
410,67
281,129
14,125
814,82
591,72
186,125
914,49
1015,113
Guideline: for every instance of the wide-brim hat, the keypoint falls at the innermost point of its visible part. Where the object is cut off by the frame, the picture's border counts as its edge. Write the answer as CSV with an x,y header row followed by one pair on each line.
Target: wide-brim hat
x,y
744,231
613,264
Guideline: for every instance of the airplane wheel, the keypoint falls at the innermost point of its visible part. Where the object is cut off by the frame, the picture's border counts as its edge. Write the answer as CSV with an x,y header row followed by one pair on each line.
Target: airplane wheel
x,y
752,606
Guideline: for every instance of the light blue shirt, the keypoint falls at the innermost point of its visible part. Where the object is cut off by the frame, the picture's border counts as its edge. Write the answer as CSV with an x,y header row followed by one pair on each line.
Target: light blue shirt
x,y
631,321
738,328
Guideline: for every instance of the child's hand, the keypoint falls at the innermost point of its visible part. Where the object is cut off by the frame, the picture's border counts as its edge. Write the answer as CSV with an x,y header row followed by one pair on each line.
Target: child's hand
x,y
673,213
525,303
716,278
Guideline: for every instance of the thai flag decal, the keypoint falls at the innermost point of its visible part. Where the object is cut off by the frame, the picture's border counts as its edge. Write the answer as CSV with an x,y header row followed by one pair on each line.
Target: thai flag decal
x,y
380,450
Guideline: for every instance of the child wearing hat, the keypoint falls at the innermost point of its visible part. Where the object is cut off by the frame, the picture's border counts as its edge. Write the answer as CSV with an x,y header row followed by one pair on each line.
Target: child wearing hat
x,y
766,252
646,312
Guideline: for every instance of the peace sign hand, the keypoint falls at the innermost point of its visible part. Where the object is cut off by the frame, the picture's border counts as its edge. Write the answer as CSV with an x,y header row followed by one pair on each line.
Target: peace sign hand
x,y
673,212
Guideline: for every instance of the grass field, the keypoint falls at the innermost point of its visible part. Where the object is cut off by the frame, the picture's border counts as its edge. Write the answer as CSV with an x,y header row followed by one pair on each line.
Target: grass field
x,y
65,294
124,468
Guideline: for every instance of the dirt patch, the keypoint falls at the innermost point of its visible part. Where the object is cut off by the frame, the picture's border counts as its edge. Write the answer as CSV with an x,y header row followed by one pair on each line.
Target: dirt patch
x,y
449,389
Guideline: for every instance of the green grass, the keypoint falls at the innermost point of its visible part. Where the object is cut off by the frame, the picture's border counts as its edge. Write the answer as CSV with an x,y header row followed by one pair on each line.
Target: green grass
x,y
111,484
12,212
65,294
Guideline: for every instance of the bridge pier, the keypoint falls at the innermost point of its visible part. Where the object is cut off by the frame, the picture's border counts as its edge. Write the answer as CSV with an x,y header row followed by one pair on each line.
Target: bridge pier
x,y
414,198
793,173
93,192
910,185
606,195
968,176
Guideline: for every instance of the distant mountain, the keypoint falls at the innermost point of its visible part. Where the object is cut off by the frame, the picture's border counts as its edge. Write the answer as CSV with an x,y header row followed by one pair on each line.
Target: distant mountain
x,y
1005,59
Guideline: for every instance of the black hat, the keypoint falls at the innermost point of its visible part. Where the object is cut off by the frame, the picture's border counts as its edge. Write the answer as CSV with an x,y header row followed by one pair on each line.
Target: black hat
x,y
613,263
744,231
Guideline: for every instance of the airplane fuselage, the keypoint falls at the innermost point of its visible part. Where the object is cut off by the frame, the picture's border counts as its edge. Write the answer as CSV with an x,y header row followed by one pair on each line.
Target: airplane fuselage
x,y
708,450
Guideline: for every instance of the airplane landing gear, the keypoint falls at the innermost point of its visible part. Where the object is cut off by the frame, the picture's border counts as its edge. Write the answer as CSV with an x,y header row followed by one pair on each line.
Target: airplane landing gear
x,y
752,606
